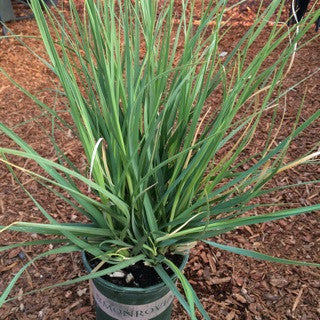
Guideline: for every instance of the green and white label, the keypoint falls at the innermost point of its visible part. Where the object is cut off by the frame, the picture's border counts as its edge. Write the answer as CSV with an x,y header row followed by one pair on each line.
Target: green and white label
x,y
121,311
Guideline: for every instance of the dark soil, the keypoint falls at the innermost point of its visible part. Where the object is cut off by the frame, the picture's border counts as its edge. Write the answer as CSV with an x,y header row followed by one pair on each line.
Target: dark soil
x,y
143,276
230,287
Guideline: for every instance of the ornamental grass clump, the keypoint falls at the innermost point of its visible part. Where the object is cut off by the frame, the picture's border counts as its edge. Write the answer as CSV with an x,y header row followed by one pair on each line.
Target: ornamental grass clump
x,y
164,167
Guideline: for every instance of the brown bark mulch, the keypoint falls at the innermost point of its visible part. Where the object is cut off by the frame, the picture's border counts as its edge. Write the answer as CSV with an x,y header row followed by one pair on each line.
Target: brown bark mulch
x,y
231,287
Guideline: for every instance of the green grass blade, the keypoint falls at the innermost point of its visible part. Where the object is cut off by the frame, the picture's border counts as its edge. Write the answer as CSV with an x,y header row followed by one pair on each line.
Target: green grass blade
x,y
261,256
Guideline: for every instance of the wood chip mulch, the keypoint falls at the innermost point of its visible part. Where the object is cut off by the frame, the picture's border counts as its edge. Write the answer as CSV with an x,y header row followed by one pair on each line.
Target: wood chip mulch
x,y
231,287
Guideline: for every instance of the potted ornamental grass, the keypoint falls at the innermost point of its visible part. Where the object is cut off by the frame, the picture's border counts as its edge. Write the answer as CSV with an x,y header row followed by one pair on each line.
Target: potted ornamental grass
x,y
165,169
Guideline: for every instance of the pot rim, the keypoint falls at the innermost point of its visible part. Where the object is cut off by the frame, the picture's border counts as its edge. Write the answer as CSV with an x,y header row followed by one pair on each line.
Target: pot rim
x,y
115,287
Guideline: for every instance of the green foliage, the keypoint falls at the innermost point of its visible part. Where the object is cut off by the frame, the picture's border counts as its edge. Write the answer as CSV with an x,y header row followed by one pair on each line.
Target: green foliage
x,y
137,79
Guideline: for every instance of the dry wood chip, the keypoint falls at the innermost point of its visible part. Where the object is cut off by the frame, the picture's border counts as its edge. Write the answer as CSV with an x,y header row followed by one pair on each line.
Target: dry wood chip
x,y
9,267
204,257
82,310
192,282
20,294
232,301
315,284
254,308
74,305
296,302
3,88
68,294
81,292
1,207
212,264
238,280
200,273
207,273
244,292
278,282
41,314
29,279
220,280
271,297
231,315
239,298
249,230
13,253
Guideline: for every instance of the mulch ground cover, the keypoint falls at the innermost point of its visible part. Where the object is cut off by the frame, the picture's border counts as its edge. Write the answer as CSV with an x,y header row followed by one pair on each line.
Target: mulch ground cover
x,y
229,286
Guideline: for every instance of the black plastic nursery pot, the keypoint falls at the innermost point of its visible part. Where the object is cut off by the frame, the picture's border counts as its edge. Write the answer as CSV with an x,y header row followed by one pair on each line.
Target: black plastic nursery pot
x,y
113,302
